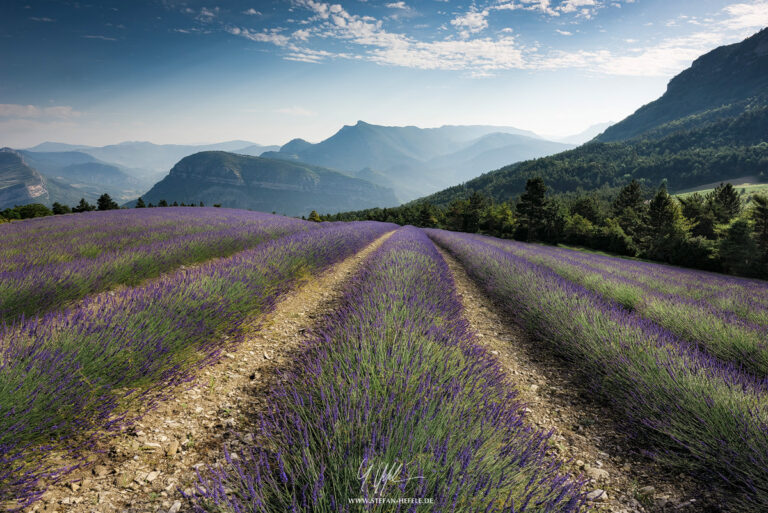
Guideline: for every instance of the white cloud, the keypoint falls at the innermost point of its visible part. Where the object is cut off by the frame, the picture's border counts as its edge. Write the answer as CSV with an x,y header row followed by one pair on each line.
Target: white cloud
x,y
44,20
261,37
666,58
207,14
252,12
302,34
366,38
747,15
543,6
11,110
576,5
296,111
471,22
397,5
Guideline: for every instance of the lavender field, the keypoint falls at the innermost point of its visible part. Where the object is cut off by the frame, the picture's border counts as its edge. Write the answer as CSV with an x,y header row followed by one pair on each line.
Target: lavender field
x,y
67,373
44,263
119,308
693,403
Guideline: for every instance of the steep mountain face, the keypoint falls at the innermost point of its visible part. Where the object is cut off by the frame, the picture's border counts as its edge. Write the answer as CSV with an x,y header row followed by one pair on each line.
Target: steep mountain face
x,y
710,126
415,161
732,74
21,184
267,185
86,173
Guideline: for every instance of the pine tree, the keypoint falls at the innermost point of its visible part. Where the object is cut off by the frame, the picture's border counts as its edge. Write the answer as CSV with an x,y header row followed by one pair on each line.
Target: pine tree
x,y
530,208
140,203
666,228
725,202
759,216
630,197
105,202
58,209
314,216
426,218
83,206
738,250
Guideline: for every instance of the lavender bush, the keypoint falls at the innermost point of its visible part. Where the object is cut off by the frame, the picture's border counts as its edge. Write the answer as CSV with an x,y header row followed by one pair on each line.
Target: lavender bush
x,y
393,381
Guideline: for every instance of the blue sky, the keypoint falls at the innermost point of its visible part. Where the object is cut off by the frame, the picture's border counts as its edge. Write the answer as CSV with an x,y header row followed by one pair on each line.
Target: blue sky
x,y
168,71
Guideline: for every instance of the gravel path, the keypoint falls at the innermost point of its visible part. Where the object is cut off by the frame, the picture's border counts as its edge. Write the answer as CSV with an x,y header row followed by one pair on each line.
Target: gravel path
x,y
142,469
584,431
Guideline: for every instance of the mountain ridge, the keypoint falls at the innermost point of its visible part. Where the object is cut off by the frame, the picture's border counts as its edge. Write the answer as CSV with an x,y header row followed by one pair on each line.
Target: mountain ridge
x,y
704,144
241,181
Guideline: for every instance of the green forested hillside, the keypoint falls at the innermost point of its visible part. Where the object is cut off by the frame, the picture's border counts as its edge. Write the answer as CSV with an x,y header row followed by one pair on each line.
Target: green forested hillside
x,y
711,125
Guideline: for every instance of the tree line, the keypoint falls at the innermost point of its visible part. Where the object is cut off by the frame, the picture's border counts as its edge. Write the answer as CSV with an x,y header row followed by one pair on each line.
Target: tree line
x,y
104,202
716,231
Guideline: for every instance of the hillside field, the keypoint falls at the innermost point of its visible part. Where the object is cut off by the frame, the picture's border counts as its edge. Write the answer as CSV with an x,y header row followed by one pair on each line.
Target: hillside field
x,y
391,374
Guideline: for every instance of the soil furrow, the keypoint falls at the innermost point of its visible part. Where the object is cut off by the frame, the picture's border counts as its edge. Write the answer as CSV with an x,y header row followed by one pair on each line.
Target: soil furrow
x,y
585,432
143,469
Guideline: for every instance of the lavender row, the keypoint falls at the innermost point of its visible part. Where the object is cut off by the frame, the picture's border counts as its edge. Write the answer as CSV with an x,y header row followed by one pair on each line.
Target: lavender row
x,y
742,297
393,382
688,408
47,262
722,333
73,372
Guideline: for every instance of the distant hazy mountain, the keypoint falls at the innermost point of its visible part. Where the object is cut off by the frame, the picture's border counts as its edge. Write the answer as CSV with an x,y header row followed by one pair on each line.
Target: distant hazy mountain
x,y
143,159
586,135
415,161
21,184
493,151
55,147
87,174
710,125
241,181
255,150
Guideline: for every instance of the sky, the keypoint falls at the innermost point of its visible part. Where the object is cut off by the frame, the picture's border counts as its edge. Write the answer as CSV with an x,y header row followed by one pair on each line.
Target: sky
x,y
100,72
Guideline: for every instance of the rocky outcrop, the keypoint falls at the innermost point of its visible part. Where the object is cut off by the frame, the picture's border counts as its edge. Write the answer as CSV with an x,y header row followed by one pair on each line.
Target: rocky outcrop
x,y
19,183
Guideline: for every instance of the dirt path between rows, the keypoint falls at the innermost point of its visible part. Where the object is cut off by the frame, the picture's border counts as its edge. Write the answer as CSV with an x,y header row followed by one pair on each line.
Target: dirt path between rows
x,y
585,433
143,469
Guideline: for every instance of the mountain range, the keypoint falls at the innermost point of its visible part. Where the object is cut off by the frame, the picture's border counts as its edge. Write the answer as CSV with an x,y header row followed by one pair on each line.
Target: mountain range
x,y
710,125
416,161
410,161
242,181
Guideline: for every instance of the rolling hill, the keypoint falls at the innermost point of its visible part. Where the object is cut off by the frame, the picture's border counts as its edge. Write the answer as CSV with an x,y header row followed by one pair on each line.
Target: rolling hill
x,y
241,181
710,125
